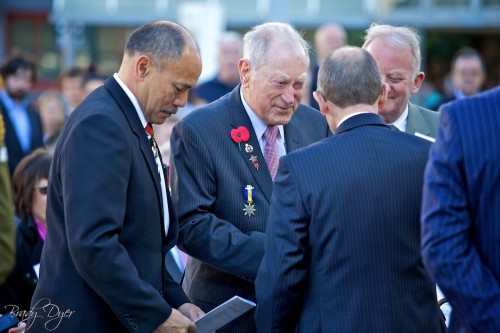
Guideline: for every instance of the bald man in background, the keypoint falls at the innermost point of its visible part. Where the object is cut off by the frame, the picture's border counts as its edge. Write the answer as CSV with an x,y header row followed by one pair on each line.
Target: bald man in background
x,y
328,38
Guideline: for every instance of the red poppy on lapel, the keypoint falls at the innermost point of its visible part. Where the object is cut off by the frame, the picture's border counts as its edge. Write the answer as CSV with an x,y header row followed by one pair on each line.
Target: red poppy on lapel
x,y
240,134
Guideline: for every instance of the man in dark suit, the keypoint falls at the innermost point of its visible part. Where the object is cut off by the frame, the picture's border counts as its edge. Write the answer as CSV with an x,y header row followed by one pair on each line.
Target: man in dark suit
x,y
23,127
461,211
397,53
342,250
221,182
109,221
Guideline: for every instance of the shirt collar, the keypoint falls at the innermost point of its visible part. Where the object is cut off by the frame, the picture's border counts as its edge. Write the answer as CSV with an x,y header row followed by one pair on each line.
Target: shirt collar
x,y
400,123
133,99
258,125
349,116
10,103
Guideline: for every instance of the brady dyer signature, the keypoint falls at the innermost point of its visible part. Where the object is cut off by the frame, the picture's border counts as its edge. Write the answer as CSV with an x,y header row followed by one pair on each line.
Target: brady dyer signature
x,y
42,310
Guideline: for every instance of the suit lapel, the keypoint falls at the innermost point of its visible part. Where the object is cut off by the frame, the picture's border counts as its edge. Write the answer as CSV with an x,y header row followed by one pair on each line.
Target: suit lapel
x,y
415,122
239,117
293,136
135,125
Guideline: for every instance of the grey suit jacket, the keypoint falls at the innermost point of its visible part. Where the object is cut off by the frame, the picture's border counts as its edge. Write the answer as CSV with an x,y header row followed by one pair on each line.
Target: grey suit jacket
x,y
421,120
208,174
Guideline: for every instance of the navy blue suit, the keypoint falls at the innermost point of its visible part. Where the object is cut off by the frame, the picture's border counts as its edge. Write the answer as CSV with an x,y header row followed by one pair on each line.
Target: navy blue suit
x,y
103,257
342,250
461,211
209,171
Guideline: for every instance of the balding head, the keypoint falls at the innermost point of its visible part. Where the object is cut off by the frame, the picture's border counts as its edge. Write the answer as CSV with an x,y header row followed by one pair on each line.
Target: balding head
x,y
163,41
350,76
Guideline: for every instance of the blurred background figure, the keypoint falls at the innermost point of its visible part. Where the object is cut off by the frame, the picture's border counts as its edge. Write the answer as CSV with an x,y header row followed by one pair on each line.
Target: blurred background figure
x,y
6,213
53,115
23,127
92,81
72,87
30,200
230,52
467,76
327,39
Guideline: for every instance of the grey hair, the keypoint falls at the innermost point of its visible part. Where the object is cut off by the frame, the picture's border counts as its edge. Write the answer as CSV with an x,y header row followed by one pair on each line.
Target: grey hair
x,y
257,41
350,76
160,40
401,37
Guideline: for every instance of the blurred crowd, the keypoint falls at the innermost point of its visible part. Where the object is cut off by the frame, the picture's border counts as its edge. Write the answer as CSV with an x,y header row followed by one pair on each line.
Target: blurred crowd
x,y
31,122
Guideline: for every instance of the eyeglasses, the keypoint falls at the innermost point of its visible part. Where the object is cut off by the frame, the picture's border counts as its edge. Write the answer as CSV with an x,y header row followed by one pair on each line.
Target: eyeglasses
x,y
42,190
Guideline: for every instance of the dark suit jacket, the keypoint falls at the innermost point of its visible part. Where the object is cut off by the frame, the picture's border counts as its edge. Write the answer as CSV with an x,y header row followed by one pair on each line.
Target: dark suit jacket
x,y
209,172
16,153
461,211
421,120
104,253
314,86
20,285
343,239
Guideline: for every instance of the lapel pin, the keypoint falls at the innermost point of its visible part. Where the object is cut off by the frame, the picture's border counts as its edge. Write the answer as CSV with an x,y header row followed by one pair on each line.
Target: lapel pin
x,y
253,159
248,148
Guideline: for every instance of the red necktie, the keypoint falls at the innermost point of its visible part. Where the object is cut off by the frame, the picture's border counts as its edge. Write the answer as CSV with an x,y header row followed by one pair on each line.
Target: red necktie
x,y
270,150
154,147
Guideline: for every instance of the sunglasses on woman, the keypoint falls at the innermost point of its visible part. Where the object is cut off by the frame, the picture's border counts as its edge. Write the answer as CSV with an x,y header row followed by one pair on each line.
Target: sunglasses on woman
x,y
42,190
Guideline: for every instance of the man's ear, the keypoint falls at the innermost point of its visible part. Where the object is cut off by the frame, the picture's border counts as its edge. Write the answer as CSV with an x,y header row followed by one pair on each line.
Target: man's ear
x,y
142,68
244,69
324,108
418,82
382,99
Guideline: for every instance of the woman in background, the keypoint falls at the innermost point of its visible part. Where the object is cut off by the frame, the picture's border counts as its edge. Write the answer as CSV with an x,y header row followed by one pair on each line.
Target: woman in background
x,y
29,183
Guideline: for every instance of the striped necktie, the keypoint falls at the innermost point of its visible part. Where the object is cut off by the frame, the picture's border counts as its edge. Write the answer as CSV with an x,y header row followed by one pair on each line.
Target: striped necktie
x,y
270,150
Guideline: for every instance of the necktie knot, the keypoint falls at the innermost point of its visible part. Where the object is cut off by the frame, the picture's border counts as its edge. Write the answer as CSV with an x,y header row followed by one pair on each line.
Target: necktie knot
x,y
270,133
270,150
154,147
393,127
149,129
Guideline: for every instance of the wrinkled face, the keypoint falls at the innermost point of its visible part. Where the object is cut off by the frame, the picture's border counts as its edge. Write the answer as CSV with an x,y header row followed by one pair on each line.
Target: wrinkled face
x,y
396,67
39,200
274,90
468,75
162,93
18,85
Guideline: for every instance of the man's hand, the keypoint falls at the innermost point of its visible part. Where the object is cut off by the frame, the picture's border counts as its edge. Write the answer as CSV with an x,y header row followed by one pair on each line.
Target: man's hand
x,y
176,323
19,329
191,311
